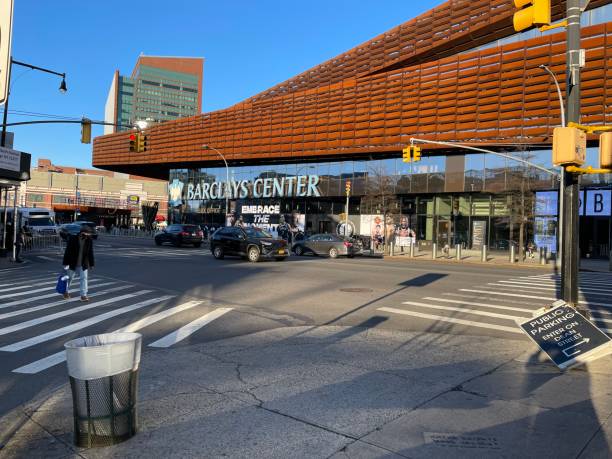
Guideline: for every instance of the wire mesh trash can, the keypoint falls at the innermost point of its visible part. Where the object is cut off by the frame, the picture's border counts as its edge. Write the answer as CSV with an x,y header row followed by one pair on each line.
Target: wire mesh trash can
x,y
103,371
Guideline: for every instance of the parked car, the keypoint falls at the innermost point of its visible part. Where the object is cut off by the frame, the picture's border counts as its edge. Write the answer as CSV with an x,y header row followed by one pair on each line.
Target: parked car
x,y
327,244
178,235
252,243
68,229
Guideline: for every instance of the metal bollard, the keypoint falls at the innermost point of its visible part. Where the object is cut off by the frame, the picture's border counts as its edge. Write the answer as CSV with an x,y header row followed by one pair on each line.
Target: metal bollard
x,y
392,248
544,256
412,251
483,254
512,254
458,252
434,251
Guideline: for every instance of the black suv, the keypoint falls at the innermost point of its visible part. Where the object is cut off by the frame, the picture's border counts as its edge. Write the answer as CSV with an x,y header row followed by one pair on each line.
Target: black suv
x,y
252,243
178,235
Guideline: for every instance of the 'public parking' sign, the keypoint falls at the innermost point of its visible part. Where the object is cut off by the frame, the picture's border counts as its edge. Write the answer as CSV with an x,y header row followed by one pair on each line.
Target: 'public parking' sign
x,y
566,336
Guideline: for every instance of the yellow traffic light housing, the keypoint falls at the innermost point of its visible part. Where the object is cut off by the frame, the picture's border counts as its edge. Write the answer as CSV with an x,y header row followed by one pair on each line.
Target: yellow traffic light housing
x,y
605,150
406,155
141,142
416,153
531,13
134,142
569,146
85,130
411,153
347,187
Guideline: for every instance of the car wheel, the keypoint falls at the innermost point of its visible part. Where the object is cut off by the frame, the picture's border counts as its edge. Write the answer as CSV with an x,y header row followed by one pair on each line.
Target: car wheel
x,y
280,258
299,250
218,252
333,252
253,254
197,245
158,242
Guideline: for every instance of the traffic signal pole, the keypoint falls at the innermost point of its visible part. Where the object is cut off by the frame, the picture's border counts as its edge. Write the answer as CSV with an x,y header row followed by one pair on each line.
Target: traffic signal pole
x,y
571,181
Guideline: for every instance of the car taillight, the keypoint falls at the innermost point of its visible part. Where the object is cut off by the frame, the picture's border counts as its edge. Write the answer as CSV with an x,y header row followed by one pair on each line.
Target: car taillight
x,y
347,244
184,233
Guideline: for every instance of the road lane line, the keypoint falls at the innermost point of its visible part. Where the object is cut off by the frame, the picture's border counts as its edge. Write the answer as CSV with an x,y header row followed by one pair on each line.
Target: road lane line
x,y
48,295
487,305
476,312
452,320
79,325
68,312
55,359
11,295
61,302
187,330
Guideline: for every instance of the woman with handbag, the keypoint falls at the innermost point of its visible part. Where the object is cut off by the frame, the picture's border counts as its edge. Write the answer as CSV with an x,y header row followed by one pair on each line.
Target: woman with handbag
x,y
79,257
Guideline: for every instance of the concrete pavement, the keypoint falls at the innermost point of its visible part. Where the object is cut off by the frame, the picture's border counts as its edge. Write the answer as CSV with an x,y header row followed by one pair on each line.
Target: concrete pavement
x,y
342,392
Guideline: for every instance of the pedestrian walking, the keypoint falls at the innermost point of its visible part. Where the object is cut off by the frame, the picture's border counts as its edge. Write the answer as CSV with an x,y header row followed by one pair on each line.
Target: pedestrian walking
x,y
79,257
19,241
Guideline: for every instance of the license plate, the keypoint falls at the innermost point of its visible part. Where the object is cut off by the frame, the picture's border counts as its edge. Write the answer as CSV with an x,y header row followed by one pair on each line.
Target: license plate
x,y
281,251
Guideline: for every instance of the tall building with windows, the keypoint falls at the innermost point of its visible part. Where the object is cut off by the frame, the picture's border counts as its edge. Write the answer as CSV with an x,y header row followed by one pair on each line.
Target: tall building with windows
x,y
159,89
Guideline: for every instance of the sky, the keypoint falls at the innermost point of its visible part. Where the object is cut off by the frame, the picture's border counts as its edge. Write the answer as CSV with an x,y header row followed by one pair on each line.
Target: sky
x,y
248,46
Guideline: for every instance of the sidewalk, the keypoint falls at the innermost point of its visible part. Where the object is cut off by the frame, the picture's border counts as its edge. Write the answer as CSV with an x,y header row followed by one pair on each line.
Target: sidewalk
x,y
345,392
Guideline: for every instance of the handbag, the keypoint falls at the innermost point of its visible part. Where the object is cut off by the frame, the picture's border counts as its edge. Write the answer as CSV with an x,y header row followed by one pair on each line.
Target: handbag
x,y
62,282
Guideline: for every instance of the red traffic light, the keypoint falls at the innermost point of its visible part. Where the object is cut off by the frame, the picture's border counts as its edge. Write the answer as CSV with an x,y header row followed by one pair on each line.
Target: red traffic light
x,y
132,136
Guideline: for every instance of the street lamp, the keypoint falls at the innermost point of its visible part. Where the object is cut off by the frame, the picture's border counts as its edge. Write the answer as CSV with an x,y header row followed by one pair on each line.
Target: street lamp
x,y
227,182
62,89
562,176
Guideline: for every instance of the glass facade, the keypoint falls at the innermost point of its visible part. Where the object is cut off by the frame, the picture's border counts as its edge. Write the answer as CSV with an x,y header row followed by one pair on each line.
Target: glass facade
x,y
472,199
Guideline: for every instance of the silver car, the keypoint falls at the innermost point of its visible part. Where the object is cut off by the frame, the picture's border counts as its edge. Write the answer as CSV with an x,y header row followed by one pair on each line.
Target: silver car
x,y
327,244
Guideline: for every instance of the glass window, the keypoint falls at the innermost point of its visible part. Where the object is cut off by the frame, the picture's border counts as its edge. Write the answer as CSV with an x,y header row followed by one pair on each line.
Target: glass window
x,y
481,206
495,173
443,205
474,172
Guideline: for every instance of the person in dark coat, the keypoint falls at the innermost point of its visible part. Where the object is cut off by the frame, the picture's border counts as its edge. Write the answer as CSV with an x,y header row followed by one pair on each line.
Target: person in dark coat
x,y
79,257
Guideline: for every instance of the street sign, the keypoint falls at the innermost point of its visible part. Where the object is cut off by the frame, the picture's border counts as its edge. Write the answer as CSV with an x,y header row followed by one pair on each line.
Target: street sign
x,y
6,31
566,336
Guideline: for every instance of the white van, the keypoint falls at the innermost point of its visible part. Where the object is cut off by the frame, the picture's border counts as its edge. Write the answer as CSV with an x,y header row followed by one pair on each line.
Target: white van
x,y
39,220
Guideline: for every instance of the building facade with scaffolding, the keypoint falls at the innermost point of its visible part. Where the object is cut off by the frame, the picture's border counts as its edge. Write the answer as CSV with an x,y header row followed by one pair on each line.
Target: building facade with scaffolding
x,y
458,73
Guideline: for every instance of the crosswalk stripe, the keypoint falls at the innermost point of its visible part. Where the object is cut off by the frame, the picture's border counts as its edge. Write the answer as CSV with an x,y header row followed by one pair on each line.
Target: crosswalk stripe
x,y
26,279
62,302
59,357
486,305
592,303
10,270
476,312
79,325
11,295
582,284
451,320
190,328
21,287
47,295
68,312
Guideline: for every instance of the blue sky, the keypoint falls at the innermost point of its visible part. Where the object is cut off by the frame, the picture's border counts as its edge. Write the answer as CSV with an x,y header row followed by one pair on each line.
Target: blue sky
x,y
248,46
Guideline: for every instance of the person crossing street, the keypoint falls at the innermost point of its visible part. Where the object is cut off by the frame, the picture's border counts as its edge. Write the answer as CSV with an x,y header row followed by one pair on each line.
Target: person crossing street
x,y
79,257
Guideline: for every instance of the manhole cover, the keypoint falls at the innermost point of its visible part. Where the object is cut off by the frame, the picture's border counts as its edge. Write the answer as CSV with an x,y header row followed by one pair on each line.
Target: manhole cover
x,y
356,290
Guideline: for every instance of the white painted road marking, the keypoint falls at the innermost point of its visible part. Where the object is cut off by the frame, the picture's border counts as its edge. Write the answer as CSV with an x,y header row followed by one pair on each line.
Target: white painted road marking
x,y
48,295
452,320
190,328
10,295
486,305
477,312
79,325
55,359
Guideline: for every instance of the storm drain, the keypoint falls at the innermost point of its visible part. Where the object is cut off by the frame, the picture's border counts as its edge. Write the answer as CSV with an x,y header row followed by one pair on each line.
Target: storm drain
x,y
356,290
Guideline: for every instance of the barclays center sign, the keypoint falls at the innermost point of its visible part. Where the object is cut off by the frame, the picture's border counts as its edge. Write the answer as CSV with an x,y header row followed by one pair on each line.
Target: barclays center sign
x,y
276,187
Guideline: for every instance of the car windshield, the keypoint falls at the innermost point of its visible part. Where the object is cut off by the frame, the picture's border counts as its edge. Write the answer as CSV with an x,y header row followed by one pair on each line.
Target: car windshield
x,y
40,221
256,232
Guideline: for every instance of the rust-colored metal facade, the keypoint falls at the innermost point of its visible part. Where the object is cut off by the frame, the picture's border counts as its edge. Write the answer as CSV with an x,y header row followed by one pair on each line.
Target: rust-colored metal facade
x,y
423,78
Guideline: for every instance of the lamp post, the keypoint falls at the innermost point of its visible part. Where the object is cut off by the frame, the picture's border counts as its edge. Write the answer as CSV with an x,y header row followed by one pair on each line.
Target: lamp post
x,y
62,89
227,183
562,175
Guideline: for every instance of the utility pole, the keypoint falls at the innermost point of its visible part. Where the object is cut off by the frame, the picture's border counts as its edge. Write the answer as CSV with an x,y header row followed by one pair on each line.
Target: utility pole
x,y
571,181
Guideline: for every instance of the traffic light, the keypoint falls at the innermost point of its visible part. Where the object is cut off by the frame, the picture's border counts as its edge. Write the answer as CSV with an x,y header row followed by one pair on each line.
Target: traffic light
x,y
416,153
605,150
569,146
347,187
133,142
531,13
142,142
406,155
85,130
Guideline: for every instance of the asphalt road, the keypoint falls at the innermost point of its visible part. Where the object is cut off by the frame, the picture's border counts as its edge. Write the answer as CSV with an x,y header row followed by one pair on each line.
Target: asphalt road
x,y
180,296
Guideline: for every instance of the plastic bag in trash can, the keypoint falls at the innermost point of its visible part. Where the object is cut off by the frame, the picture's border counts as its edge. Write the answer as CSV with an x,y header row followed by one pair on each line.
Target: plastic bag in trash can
x,y
97,356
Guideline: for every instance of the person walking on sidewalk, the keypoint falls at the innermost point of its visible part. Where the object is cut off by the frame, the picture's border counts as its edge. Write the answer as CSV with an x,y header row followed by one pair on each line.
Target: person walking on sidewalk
x,y
79,257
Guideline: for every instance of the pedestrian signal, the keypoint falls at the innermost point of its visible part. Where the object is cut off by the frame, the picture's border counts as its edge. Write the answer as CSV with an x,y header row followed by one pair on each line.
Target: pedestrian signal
x,y
605,150
531,13
569,146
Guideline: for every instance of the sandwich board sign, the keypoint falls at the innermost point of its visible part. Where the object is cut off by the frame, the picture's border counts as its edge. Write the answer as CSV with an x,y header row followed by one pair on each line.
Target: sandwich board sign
x,y
566,336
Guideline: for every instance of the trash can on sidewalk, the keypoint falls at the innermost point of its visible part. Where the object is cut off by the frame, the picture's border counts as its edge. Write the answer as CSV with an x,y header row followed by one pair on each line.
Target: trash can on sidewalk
x,y
103,371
